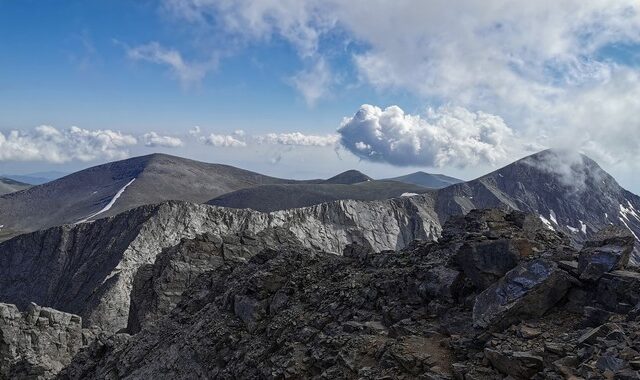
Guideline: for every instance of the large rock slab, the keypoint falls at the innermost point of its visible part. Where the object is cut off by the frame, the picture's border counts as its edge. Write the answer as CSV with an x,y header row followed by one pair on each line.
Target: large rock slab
x,y
608,250
38,343
527,291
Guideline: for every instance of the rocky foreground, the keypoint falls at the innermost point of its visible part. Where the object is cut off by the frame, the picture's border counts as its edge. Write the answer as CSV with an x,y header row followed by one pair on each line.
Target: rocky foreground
x,y
500,295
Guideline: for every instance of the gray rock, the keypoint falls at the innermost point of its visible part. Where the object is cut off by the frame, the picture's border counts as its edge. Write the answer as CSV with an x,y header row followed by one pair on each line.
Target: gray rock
x,y
608,250
444,283
89,269
487,261
520,365
38,343
528,290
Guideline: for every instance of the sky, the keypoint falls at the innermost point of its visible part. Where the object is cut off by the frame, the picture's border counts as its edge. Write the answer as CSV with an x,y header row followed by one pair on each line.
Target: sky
x,y
307,89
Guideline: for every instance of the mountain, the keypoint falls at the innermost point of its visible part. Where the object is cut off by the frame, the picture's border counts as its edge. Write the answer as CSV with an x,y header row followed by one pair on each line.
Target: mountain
x,y
499,295
348,177
267,198
8,185
112,188
88,268
569,191
36,178
432,181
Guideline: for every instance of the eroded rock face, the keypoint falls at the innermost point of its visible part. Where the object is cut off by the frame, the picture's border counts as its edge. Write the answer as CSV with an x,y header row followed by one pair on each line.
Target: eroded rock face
x,y
89,269
292,313
38,343
527,291
158,287
608,250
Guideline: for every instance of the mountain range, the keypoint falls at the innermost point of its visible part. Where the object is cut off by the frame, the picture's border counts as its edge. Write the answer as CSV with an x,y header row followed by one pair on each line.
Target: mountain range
x,y
8,185
109,189
91,238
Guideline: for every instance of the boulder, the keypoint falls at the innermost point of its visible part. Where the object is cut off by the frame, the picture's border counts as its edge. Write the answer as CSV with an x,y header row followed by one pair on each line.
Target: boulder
x,y
38,343
528,290
608,250
442,282
485,262
520,365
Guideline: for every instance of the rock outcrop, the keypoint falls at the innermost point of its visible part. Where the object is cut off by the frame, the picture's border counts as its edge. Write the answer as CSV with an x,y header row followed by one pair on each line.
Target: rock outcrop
x,y
88,269
608,250
262,304
39,342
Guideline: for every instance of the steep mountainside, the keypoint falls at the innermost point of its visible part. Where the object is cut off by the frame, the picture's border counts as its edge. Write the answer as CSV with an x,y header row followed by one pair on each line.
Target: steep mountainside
x,y
569,191
109,189
500,296
8,185
268,198
432,181
88,269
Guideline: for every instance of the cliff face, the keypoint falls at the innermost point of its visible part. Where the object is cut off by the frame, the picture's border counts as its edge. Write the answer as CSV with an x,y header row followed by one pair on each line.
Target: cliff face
x,y
500,295
88,269
38,343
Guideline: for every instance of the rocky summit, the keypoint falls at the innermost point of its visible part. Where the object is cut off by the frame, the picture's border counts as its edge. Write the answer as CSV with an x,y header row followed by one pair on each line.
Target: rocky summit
x,y
499,295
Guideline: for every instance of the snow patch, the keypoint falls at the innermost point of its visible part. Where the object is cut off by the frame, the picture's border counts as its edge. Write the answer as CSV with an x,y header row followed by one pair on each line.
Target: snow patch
x,y
552,216
626,225
572,229
409,194
546,222
626,212
583,227
109,205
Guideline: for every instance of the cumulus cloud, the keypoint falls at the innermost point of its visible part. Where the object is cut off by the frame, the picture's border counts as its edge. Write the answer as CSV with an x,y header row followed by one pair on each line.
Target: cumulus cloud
x,y
188,73
152,139
230,141
444,136
47,143
544,67
298,139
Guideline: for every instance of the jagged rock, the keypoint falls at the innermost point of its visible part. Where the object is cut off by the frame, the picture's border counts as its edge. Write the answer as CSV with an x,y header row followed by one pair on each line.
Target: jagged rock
x,y
157,288
487,261
528,290
608,250
495,241
88,269
591,336
444,283
520,365
618,291
291,313
39,342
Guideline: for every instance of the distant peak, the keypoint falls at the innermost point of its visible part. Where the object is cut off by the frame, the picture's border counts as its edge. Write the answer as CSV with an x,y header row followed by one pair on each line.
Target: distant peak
x,y
349,177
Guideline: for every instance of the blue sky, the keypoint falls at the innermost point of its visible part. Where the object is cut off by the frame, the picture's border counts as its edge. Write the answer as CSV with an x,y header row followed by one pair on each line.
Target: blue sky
x,y
277,86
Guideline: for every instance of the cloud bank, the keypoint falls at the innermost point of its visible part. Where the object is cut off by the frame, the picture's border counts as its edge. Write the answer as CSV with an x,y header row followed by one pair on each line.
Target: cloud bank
x,y
47,143
153,140
445,136
560,73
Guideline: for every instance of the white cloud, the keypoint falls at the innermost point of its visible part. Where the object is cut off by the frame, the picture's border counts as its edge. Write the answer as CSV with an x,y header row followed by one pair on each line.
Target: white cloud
x,y
298,139
195,131
233,141
47,143
188,73
152,139
542,66
444,136
314,83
